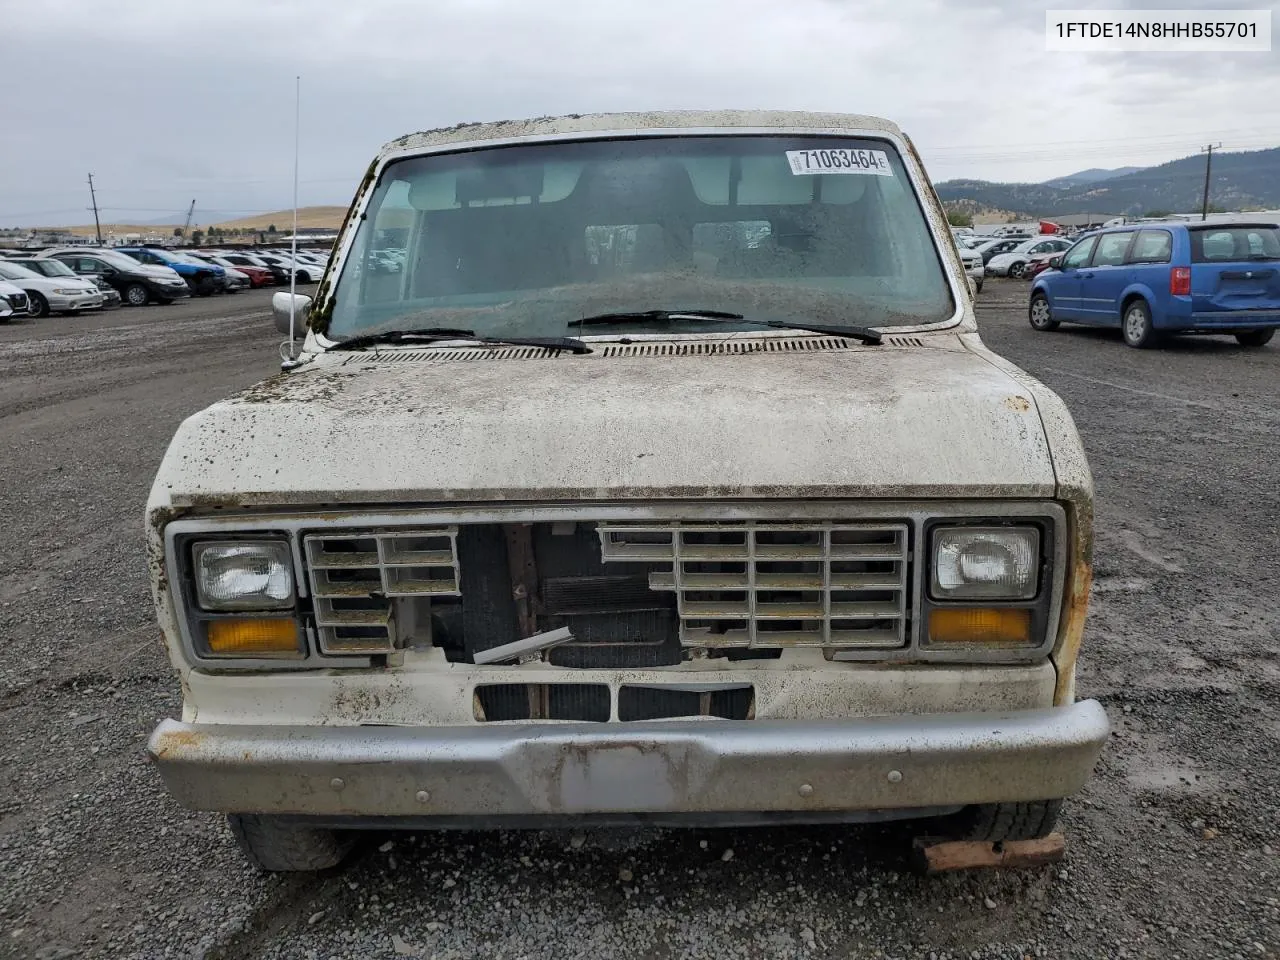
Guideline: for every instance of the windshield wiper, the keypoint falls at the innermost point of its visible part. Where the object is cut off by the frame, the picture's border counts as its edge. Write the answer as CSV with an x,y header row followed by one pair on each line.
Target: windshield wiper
x,y
431,334
865,334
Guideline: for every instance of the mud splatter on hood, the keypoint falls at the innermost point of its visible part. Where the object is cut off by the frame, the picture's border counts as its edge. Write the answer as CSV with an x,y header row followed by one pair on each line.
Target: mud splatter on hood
x,y
863,422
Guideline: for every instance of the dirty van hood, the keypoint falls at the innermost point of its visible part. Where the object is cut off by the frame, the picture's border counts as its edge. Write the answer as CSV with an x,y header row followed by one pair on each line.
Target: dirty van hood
x,y
935,420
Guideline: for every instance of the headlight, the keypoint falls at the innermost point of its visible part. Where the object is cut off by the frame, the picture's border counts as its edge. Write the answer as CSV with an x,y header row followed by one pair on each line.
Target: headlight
x,y
244,575
68,291
990,563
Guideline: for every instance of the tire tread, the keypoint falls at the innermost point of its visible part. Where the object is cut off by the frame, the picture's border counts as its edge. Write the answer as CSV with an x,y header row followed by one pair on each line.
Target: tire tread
x,y
272,846
1025,820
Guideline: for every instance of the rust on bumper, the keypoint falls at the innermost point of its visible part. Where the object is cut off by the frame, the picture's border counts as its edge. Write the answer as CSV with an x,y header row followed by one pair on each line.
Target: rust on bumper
x,y
707,767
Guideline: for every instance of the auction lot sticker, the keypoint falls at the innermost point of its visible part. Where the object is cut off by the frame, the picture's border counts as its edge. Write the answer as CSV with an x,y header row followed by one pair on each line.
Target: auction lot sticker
x,y
841,160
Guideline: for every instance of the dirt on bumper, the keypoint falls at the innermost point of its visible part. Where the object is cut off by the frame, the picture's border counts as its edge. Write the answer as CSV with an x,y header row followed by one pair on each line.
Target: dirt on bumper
x,y
709,767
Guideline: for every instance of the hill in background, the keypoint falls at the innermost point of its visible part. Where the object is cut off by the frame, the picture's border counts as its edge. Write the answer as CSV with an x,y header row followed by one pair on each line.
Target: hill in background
x,y
312,217
1240,181
282,220
1092,175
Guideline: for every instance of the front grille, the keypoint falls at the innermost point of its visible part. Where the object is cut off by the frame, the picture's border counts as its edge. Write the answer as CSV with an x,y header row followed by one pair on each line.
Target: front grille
x,y
355,577
591,702
17,300
754,584
542,701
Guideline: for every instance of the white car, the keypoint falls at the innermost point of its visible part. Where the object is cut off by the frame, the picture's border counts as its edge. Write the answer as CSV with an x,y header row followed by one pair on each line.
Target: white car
x,y
973,267
52,294
1011,264
13,302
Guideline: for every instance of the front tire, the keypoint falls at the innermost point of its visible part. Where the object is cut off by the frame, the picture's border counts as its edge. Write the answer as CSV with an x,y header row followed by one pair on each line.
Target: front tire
x,y
977,286
1255,338
1040,314
136,295
1137,327
997,822
273,846
39,305
1016,268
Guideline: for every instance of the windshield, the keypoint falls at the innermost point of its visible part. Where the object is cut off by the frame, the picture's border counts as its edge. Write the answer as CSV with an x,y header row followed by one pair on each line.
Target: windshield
x,y
11,271
52,268
526,240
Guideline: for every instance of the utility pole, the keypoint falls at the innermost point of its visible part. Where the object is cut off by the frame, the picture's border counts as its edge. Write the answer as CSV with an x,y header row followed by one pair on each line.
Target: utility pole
x,y
97,227
1208,163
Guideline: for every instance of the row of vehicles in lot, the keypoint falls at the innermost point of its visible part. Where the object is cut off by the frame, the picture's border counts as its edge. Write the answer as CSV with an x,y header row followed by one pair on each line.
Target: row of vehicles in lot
x,y
70,280
1006,255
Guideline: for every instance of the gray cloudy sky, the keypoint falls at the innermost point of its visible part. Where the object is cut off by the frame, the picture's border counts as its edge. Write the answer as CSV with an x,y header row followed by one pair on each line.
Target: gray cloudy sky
x,y
169,100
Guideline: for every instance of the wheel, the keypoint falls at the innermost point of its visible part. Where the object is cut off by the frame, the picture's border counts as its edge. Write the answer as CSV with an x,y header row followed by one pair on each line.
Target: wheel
x,y
135,294
304,277
1255,338
977,286
1040,314
275,846
1137,327
993,822
39,305
1016,268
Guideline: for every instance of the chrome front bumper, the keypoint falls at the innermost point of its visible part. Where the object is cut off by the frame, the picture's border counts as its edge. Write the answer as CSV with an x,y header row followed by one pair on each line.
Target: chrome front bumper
x,y
695,767
87,302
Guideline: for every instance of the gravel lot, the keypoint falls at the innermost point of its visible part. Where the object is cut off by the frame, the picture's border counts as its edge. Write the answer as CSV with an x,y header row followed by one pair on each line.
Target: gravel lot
x,y
1173,849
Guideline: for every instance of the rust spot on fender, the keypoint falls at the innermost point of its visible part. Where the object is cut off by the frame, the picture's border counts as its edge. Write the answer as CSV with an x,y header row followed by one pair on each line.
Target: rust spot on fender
x,y
1017,404
1074,614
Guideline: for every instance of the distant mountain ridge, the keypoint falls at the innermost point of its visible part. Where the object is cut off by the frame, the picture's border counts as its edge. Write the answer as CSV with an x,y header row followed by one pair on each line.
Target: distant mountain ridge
x,y
1239,180
1092,175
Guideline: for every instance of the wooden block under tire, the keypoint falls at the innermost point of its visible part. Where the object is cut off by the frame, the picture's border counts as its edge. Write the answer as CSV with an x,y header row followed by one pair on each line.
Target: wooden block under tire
x,y
938,856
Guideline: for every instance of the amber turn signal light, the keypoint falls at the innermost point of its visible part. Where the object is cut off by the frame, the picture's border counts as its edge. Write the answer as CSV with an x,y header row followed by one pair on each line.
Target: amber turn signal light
x,y
245,637
981,626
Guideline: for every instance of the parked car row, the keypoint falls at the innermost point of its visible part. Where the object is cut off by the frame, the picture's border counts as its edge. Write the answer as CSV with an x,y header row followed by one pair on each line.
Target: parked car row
x,y
47,294
1154,279
74,279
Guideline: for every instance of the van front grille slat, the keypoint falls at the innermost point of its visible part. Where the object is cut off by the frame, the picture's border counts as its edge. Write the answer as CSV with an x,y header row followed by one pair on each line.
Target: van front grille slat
x,y
761,584
354,577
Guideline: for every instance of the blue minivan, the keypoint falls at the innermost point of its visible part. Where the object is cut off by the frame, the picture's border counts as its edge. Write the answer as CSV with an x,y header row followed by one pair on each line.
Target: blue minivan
x,y
1151,279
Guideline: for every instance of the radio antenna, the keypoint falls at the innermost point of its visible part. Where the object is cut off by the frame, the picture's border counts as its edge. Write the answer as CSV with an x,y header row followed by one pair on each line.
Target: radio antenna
x,y
293,265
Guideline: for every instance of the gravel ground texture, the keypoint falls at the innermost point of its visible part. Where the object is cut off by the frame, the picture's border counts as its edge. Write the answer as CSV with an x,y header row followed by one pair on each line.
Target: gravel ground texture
x,y
1173,848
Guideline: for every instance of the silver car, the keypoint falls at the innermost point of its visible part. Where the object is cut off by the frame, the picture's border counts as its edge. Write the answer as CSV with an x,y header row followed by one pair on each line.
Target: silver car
x,y
70,294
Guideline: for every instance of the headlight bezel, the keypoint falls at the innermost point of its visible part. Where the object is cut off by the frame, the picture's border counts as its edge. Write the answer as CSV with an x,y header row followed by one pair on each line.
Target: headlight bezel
x,y
1044,605
195,618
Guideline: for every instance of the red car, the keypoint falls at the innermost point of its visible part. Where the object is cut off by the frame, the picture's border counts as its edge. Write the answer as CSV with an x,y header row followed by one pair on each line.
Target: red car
x,y
1038,264
258,276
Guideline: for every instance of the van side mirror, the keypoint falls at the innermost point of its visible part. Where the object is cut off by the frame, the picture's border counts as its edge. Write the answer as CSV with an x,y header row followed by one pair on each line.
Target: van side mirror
x,y
280,304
